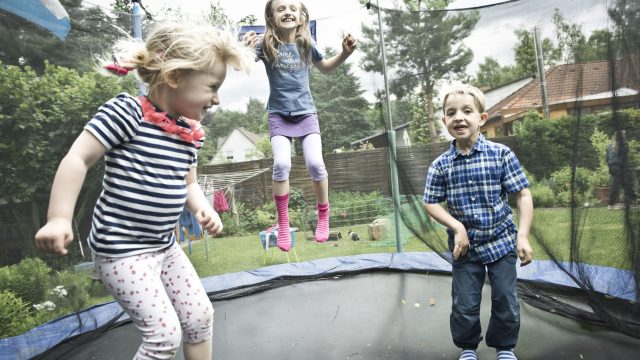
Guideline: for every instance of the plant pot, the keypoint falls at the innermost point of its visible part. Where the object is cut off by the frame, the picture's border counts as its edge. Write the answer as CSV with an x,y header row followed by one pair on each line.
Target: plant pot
x,y
602,193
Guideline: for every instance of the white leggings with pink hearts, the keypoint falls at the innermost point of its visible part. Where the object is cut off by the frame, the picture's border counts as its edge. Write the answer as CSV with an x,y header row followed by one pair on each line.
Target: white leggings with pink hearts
x,y
164,297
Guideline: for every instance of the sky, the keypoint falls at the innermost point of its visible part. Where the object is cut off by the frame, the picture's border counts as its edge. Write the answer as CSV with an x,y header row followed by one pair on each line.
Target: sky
x,y
494,35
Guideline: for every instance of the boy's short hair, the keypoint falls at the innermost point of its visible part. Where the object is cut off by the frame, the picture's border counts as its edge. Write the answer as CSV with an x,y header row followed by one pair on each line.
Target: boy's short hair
x,y
477,94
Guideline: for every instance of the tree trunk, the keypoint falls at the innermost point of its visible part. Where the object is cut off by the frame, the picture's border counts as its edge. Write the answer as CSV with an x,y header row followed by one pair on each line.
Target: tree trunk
x,y
431,120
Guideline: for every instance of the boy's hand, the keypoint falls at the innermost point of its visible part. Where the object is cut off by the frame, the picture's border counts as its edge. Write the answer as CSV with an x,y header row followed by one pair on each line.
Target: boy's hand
x,y
525,252
461,241
250,39
55,236
210,220
349,44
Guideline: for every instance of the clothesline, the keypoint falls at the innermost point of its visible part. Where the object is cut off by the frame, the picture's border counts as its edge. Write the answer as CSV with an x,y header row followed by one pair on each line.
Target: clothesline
x,y
222,181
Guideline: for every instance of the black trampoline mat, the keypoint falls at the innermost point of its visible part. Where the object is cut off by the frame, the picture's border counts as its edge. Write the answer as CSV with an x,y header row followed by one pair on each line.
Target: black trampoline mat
x,y
372,316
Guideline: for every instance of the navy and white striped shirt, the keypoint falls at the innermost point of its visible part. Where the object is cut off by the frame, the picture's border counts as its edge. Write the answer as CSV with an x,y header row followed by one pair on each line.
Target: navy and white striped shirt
x,y
475,187
144,187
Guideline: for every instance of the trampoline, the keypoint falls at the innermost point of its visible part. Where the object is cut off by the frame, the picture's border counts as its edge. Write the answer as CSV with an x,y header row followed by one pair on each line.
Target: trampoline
x,y
580,302
380,306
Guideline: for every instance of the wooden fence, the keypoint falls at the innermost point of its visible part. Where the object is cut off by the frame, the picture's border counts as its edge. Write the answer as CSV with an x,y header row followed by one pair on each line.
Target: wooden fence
x,y
362,171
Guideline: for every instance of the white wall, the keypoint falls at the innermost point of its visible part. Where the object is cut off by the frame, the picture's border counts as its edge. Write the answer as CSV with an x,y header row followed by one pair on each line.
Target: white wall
x,y
238,146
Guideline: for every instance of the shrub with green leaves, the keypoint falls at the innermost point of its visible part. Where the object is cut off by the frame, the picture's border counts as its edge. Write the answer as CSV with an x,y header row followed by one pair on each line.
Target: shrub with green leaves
x,y
27,280
15,316
542,195
76,291
352,208
562,187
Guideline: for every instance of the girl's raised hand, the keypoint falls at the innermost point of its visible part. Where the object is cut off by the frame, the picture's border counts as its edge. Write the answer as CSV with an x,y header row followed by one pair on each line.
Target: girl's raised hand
x,y
55,236
250,39
349,43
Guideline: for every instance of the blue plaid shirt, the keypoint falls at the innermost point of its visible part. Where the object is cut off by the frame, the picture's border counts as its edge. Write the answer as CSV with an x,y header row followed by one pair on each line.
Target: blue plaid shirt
x,y
475,187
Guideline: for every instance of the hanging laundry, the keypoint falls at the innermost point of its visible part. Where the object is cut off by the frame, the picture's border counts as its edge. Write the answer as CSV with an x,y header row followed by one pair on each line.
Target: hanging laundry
x,y
220,203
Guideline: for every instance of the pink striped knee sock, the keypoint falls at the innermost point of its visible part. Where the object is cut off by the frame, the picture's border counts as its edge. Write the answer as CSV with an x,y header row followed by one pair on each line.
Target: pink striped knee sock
x,y
282,207
322,230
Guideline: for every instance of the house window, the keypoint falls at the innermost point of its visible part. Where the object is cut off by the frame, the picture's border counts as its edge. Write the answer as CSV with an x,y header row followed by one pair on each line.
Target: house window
x,y
508,130
228,154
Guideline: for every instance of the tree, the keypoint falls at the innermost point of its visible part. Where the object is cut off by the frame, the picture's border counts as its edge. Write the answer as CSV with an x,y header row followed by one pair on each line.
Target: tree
x,y
491,74
626,18
422,47
256,117
42,114
41,117
24,43
341,106
571,40
597,47
574,47
525,53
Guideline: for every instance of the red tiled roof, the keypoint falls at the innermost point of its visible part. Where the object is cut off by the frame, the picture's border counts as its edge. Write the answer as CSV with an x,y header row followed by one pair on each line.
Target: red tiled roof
x,y
570,81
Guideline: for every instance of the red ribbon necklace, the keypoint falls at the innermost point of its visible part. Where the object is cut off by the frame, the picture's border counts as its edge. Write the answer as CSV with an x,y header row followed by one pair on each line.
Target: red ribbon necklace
x,y
193,134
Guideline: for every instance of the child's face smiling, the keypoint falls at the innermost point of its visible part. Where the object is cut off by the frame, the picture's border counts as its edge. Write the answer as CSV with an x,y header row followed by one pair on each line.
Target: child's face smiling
x,y
197,91
286,14
462,119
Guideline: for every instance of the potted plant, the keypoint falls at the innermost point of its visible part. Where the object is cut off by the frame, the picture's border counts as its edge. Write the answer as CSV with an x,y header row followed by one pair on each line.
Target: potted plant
x,y
601,183
600,179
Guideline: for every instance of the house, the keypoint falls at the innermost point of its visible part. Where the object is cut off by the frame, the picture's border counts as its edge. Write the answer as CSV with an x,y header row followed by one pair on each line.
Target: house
x,y
570,87
381,139
496,94
240,145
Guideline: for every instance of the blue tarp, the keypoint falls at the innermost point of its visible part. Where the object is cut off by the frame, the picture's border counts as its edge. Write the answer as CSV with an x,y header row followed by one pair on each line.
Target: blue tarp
x,y
47,13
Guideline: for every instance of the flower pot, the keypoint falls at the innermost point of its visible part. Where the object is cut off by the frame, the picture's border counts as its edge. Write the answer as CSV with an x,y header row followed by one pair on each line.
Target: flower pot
x,y
602,193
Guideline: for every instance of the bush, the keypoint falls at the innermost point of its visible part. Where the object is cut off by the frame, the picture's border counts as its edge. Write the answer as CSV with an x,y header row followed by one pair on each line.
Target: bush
x,y
561,181
76,292
296,199
353,208
547,145
15,317
27,280
543,196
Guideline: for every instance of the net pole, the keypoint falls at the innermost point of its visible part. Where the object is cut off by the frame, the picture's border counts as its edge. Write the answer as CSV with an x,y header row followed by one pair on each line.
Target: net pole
x,y
136,12
540,64
395,193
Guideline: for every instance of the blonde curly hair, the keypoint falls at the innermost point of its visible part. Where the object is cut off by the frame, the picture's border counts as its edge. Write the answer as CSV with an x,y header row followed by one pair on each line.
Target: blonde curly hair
x,y
172,48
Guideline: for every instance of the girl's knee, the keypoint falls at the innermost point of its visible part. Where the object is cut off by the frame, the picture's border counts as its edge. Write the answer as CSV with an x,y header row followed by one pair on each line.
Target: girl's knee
x,y
281,169
317,171
199,326
161,342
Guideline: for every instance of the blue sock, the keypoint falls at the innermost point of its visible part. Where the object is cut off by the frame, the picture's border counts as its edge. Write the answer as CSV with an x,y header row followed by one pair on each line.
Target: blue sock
x,y
468,355
506,355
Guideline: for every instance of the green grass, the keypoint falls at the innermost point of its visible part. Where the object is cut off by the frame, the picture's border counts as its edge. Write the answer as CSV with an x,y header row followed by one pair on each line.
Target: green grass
x,y
600,238
602,242
238,253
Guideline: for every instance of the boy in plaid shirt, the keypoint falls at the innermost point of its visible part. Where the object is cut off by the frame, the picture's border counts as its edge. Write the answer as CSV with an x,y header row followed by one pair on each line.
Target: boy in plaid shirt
x,y
474,177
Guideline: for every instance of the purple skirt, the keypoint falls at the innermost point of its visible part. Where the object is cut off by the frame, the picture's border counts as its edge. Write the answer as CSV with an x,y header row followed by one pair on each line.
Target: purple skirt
x,y
293,126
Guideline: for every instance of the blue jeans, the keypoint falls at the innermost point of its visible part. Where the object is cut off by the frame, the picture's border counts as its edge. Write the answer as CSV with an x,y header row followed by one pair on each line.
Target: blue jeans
x,y
466,291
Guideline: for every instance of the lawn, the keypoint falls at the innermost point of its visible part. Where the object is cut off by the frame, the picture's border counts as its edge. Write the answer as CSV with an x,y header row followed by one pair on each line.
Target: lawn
x,y
600,233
